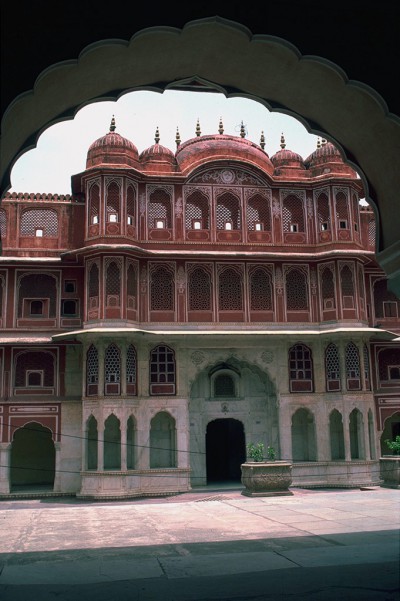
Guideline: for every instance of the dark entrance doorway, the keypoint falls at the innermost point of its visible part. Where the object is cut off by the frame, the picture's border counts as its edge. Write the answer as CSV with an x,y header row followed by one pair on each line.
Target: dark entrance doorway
x,y
225,450
32,458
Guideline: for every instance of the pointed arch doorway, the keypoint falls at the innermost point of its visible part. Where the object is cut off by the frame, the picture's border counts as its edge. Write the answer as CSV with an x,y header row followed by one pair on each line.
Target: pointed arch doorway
x,y
32,458
225,450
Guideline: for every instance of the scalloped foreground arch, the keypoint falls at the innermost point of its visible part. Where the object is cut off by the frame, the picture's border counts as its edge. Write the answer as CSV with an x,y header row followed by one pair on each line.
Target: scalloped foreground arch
x,y
226,54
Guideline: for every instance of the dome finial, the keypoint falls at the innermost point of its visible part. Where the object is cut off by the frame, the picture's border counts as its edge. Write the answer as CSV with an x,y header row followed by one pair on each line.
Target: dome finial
x,y
242,131
283,143
177,138
157,136
262,140
198,131
319,143
112,126
221,126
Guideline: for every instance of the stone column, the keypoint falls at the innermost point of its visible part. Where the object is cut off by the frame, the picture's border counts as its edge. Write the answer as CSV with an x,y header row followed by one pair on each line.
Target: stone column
x,y
5,455
342,362
346,436
100,446
123,345
57,476
123,444
101,353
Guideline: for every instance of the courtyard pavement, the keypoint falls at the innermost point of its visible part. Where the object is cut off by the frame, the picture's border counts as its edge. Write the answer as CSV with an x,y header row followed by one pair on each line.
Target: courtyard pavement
x,y
205,544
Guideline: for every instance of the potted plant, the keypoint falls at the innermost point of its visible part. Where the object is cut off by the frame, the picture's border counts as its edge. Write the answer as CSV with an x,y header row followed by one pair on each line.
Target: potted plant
x,y
265,477
390,464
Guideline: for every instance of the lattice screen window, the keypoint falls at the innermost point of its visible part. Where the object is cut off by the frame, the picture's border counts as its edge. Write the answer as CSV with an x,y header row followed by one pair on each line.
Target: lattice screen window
x,y
162,365
92,365
93,286
332,363
35,220
342,211
131,365
112,364
197,211
3,223
260,290
258,212
386,302
296,291
113,202
1,295
387,360
130,205
352,361
230,294
224,385
159,209
355,212
113,285
40,286
300,363
328,289
34,361
228,212
162,288
293,214
324,216
131,286
347,284
367,370
94,204
371,232
200,290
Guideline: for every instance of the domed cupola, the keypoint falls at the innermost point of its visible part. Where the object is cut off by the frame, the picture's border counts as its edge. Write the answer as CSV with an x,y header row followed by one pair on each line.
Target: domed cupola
x,y
112,149
286,159
158,158
221,147
326,159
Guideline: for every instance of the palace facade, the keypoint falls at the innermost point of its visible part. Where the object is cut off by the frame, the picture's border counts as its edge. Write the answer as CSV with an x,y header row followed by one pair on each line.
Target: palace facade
x,y
180,304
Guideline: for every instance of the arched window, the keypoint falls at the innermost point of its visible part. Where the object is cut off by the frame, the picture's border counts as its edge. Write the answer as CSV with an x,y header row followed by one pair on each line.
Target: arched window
x,y
113,284
353,367
37,295
324,216
328,290
386,303
162,370
300,369
296,290
260,290
230,295
112,370
347,285
91,443
304,446
162,441
159,210
93,285
162,290
293,214
389,366
130,205
200,296
228,215
112,443
342,211
131,287
39,222
131,370
92,370
258,214
113,203
332,368
336,436
197,212
94,204
356,429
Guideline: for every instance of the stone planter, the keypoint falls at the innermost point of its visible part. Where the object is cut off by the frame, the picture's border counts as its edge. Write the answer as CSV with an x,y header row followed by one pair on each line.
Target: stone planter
x,y
266,478
390,471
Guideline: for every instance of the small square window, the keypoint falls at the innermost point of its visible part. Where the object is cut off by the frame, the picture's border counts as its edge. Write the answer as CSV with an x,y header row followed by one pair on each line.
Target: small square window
x,y
258,226
324,226
69,286
69,308
197,224
294,227
36,307
160,224
343,225
130,220
39,233
34,378
95,219
228,225
113,217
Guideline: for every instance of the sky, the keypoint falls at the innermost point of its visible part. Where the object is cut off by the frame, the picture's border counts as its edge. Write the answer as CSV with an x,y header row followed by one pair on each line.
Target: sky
x,y
62,148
